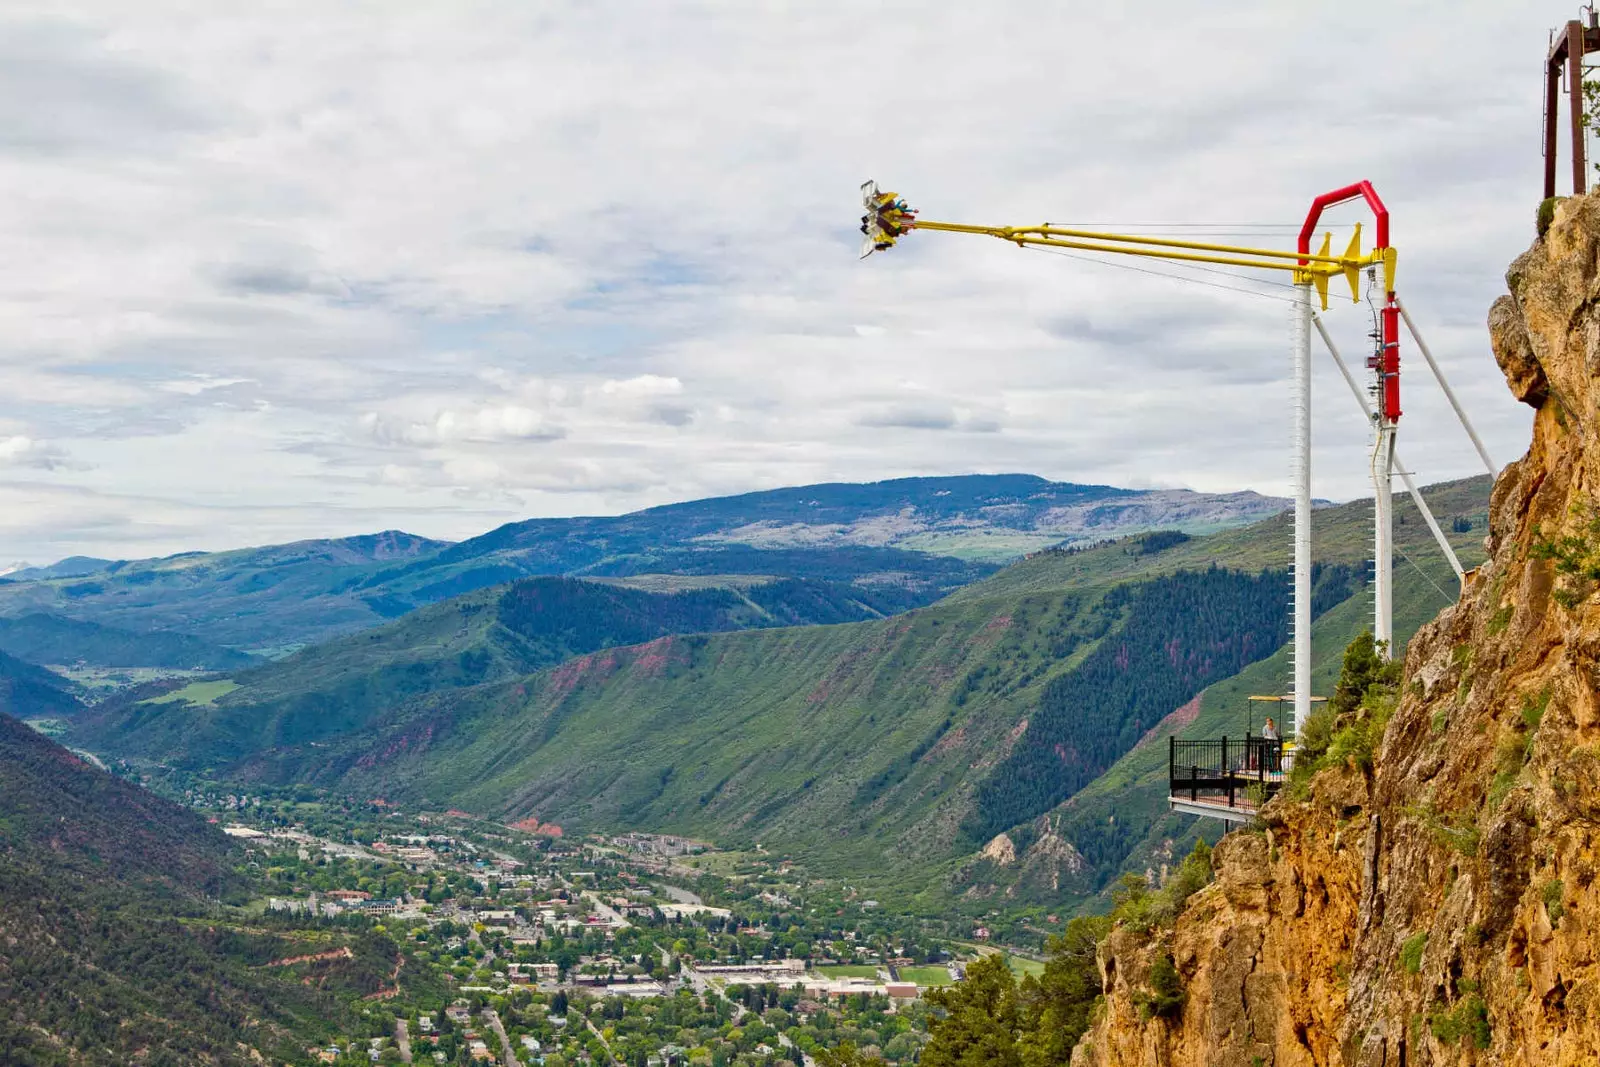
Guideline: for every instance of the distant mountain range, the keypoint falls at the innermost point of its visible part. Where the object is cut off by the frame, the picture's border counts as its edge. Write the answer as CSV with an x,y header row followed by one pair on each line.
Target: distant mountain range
x,y
1020,706
71,567
896,544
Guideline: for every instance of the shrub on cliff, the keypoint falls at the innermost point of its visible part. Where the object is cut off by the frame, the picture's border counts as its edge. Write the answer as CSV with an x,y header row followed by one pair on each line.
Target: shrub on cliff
x,y
1347,732
1547,214
1576,555
1142,908
1166,997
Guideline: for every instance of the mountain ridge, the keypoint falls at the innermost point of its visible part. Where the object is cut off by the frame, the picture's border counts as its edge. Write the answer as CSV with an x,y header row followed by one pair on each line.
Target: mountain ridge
x,y
925,535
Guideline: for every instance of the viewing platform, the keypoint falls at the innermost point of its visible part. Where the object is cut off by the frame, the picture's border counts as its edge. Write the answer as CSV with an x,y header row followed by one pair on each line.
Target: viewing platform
x,y
1226,778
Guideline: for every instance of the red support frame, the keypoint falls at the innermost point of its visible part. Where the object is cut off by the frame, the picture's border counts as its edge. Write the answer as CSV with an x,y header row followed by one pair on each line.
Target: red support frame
x,y
1338,196
1389,361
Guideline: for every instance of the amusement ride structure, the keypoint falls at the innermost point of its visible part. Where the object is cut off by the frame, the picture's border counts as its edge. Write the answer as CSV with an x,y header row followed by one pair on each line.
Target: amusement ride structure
x,y
888,218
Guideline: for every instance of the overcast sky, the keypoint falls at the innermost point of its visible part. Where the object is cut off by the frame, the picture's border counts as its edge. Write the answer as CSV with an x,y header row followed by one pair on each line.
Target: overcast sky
x,y
329,269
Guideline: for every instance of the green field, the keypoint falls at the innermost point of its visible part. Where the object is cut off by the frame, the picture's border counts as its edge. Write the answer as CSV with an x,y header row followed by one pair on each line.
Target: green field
x,y
724,863
926,976
848,970
1022,967
204,694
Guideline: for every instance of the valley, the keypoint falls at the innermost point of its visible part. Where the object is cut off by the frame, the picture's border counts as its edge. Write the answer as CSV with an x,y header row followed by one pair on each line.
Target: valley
x,y
1030,706
687,813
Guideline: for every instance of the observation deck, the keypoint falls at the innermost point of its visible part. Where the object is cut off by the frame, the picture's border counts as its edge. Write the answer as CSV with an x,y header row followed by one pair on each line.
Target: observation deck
x,y
1226,778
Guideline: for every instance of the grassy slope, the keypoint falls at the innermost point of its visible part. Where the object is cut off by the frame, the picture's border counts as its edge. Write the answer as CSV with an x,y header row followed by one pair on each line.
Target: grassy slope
x,y
757,732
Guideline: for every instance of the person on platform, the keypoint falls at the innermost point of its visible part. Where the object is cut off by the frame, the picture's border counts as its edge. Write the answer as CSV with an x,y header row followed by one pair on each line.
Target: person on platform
x,y
1270,730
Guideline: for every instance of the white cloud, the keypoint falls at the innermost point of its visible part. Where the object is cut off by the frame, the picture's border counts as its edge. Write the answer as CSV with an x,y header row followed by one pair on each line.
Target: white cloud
x,y
495,422
19,450
370,266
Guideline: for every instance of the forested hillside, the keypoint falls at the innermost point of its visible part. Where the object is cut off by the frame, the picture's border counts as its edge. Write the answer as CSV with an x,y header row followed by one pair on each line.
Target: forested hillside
x,y
29,691
505,632
41,638
1180,635
101,963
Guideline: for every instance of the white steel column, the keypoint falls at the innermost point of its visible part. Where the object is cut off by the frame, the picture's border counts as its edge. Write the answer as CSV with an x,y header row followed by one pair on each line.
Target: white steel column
x,y
1383,539
1301,402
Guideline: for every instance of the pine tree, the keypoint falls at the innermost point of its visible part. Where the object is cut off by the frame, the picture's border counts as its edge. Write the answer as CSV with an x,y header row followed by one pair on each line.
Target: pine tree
x,y
982,1022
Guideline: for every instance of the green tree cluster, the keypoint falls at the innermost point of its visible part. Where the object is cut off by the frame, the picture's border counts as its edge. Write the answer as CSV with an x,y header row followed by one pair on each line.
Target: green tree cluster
x,y
1348,730
1182,632
991,1018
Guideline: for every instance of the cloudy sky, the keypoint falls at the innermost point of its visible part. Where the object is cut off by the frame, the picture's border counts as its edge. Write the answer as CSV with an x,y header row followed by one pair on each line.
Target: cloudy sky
x,y
334,268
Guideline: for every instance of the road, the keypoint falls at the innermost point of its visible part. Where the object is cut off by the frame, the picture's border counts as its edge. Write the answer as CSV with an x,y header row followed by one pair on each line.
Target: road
x,y
603,1042
696,980
402,1040
806,1060
606,911
492,1017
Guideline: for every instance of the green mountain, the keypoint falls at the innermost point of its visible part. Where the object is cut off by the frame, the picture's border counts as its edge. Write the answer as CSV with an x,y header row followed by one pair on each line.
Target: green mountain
x,y
249,599
509,631
41,638
71,567
29,691
896,544
111,952
886,749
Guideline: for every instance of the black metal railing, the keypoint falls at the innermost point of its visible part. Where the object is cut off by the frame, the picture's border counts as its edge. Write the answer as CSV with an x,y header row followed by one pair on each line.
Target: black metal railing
x,y
1225,767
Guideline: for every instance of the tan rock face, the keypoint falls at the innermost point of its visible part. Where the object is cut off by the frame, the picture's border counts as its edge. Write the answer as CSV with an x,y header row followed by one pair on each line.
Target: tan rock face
x,y
1446,911
1000,849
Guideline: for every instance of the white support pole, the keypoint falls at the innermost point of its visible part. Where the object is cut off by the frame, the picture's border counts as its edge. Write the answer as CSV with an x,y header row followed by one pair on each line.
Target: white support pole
x,y
1466,423
1399,468
1383,538
1301,403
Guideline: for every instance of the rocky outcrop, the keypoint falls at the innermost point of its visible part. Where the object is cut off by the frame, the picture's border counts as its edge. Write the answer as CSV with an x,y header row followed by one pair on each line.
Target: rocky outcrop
x,y
1442,908
1001,850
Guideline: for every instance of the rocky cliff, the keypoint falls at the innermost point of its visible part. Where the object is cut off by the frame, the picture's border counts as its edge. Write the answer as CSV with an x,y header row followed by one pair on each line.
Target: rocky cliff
x,y
1436,902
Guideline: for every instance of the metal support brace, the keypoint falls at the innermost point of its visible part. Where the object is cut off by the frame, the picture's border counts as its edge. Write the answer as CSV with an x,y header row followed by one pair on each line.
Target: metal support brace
x,y
1422,346
1405,476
